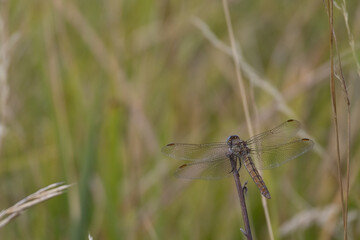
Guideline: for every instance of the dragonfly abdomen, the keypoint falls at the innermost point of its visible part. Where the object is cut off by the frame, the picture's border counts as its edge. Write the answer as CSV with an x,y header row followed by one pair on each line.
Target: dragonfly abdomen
x,y
255,175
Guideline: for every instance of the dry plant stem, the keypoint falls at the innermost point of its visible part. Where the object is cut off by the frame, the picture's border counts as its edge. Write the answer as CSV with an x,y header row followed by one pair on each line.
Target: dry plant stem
x,y
241,198
347,175
41,195
350,35
244,100
237,68
333,100
347,99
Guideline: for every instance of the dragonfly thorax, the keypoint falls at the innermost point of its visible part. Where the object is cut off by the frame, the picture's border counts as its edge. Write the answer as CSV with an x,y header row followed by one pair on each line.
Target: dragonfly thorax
x,y
237,146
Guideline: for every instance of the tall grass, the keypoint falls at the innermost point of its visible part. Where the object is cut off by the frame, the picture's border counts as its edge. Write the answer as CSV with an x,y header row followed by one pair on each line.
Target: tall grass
x,y
93,90
333,46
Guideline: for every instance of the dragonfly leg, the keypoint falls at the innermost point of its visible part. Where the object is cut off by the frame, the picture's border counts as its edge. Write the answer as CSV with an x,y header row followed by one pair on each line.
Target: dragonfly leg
x,y
239,166
233,163
245,188
243,231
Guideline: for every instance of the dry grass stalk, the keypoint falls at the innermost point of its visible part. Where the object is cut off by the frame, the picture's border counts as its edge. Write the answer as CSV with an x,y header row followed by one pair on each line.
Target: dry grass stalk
x,y
41,195
343,84
248,70
344,12
308,218
6,45
333,48
246,109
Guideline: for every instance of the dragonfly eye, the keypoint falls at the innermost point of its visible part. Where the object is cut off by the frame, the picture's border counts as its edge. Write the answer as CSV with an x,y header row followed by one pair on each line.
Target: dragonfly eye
x,y
233,140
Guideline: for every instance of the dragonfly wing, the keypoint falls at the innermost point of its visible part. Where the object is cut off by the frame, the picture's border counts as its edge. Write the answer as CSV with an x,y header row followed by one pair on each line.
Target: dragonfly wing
x,y
274,156
208,170
278,135
196,152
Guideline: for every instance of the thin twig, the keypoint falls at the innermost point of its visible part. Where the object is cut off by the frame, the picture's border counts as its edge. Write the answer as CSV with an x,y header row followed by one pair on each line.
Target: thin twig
x,y
240,191
244,99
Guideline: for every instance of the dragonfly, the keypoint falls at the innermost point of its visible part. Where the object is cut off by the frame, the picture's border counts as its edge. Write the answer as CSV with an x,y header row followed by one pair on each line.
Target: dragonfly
x,y
266,150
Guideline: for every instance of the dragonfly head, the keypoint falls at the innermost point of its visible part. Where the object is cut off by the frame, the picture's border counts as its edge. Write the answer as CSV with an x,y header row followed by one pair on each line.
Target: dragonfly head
x,y
233,140
236,145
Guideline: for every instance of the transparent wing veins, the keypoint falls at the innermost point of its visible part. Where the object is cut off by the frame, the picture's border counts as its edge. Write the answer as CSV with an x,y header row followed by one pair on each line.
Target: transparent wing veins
x,y
207,170
281,134
196,152
273,156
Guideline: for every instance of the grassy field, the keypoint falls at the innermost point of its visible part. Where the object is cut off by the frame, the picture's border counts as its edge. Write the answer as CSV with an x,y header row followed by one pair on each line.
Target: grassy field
x,y
90,91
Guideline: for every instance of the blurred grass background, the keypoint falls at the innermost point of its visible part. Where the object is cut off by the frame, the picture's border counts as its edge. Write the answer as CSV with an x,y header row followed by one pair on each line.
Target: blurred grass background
x,y
91,91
